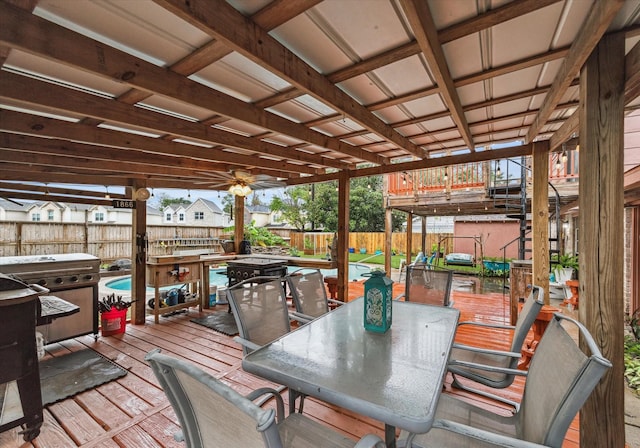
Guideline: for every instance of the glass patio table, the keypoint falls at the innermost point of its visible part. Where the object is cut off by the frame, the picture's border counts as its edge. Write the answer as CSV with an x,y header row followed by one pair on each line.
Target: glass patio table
x,y
395,377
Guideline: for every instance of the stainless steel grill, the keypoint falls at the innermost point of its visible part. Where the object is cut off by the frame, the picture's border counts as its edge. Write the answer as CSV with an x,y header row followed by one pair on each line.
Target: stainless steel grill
x,y
72,277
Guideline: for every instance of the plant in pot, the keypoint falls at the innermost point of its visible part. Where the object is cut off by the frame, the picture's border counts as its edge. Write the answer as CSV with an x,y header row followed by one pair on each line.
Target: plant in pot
x,y
566,266
308,246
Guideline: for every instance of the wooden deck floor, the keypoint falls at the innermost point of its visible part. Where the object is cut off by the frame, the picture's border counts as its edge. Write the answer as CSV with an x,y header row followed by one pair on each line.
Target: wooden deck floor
x,y
134,412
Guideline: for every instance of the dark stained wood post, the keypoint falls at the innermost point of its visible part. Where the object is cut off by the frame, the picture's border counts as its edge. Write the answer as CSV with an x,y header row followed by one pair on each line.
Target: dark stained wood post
x,y
601,235
343,236
540,217
238,222
139,259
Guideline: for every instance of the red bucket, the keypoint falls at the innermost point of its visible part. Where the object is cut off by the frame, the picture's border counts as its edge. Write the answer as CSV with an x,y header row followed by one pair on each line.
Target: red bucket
x,y
113,322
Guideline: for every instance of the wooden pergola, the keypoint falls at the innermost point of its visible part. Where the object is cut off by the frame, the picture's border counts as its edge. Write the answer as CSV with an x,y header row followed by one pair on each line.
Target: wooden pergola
x,y
204,94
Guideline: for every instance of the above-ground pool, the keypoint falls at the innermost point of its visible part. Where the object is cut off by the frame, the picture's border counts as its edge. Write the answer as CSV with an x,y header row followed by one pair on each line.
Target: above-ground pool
x,y
218,276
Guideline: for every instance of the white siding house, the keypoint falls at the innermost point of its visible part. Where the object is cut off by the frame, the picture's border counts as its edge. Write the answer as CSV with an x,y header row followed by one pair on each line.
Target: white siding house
x,y
203,212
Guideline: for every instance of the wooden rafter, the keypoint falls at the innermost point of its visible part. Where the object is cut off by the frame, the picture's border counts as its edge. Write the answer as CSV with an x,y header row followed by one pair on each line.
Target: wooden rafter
x,y
224,22
424,28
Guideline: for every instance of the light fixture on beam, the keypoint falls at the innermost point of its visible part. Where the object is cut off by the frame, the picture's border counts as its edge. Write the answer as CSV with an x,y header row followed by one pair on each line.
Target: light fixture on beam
x,y
107,196
239,189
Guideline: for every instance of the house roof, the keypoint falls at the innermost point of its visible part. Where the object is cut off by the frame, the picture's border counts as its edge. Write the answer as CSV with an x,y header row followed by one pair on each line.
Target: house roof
x,y
170,94
210,204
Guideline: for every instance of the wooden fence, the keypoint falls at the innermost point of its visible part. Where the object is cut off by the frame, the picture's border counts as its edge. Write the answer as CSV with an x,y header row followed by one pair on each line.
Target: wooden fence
x,y
112,241
366,242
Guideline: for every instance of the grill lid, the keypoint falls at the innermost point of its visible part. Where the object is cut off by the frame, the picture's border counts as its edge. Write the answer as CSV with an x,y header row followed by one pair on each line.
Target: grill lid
x,y
13,291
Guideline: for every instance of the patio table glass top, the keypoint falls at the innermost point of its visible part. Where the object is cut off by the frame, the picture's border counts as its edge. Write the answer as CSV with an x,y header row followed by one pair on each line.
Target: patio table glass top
x,y
395,377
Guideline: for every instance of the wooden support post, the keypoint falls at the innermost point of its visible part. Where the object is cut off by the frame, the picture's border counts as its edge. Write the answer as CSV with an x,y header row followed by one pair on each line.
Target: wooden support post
x,y
139,261
540,217
601,235
343,236
238,222
423,237
388,235
409,236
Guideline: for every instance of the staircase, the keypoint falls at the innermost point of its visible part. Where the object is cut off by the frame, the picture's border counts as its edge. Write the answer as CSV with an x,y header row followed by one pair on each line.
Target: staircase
x,y
511,194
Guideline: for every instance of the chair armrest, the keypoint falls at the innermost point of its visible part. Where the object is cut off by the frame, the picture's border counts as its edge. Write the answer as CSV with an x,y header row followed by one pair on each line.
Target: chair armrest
x,y
483,435
370,441
335,302
487,325
246,343
299,317
269,391
399,296
488,351
477,366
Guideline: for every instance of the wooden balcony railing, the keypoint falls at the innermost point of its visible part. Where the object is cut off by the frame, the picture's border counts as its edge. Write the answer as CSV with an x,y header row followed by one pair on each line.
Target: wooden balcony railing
x,y
474,175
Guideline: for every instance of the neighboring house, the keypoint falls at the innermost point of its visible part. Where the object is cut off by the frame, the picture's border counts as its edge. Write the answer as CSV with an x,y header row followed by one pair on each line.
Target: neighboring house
x,y
59,212
12,211
259,214
203,212
175,214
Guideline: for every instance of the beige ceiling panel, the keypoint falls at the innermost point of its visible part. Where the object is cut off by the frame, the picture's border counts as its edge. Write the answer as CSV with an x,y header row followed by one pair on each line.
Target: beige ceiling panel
x,y
413,129
249,70
572,94
476,115
425,106
140,131
571,21
237,82
363,90
303,37
142,27
509,108
452,12
439,123
549,71
365,28
339,127
392,114
515,82
57,71
318,107
281,139
472,93
464,56
405,76
511,40
294,111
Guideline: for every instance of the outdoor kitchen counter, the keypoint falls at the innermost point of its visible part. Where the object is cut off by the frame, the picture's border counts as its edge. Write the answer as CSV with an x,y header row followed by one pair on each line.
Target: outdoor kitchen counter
x,y
215,260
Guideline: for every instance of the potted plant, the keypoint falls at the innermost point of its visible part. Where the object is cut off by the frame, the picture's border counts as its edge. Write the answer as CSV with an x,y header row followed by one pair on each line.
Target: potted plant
x,y
567,265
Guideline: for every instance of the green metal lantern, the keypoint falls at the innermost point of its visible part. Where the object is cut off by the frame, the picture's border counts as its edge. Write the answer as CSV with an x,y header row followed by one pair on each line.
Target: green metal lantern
x,y
377,301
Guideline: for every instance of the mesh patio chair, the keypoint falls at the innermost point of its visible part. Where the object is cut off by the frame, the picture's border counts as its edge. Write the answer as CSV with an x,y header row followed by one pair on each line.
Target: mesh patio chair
x,y
309,294
486,366
547,408
212,414
427,285
259,306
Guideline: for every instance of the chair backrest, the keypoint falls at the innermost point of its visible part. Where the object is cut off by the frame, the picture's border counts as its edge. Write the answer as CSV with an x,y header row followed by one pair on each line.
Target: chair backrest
x,y
308,292
259,305
527,317
560,379
429,286
212,414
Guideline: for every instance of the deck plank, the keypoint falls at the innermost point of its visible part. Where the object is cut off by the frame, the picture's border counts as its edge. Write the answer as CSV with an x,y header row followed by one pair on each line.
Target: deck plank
x,y
132,411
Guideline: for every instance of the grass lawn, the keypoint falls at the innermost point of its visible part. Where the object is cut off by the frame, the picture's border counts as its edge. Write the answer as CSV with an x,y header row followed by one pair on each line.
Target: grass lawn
x,y
395,262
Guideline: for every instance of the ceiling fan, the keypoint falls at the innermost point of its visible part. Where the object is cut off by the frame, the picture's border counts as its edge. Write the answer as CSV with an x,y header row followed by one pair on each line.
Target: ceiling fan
x,y
241,182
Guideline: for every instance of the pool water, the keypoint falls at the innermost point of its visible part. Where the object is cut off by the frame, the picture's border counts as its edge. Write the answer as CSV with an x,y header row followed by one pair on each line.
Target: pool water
x,y
218,276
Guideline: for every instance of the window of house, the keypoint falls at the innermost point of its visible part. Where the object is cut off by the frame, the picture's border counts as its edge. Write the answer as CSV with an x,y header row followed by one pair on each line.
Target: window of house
x,y
50,215
198,216
35,216
167,216
98,217
181,217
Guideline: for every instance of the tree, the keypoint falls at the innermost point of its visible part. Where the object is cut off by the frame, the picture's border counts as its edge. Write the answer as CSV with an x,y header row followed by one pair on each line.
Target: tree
x,y
293,206
228,202
166,201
